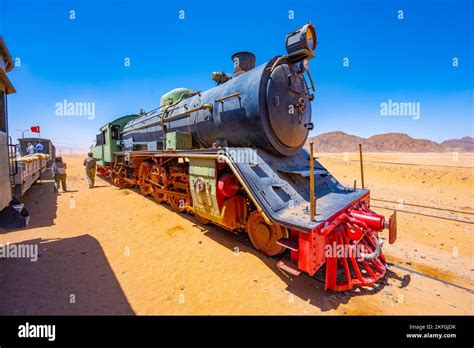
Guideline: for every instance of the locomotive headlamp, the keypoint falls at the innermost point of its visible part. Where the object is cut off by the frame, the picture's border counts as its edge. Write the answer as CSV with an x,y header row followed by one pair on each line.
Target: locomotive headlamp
x,y
302,41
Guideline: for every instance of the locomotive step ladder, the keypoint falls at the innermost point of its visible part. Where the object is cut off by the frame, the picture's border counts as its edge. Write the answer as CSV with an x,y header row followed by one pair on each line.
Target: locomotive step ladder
x,y
289,267
288,243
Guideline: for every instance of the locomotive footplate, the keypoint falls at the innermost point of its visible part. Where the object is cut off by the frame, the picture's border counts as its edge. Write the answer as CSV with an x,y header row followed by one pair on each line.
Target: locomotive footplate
x,y
279,186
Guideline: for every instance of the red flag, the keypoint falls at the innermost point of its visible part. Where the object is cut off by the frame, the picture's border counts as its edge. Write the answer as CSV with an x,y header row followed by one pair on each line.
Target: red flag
x,y
35,129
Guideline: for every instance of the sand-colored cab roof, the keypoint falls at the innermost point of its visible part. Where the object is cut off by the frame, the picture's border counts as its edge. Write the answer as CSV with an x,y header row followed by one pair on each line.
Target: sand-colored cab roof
x,y
9,64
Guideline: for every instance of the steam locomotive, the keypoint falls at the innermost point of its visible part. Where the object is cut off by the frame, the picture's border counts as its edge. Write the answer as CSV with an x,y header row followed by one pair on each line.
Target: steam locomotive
x,y
234,156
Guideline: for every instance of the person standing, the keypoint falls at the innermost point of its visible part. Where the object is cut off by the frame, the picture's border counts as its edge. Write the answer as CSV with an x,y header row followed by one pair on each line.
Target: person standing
x,y
59,173
90,164
39,148
30,149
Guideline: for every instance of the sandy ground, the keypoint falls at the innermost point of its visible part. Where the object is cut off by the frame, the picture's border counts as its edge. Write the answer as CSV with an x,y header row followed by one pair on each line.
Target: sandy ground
x,y
112,251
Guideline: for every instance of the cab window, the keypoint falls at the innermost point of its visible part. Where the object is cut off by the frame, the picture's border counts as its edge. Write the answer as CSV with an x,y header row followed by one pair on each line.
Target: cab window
x,y
115,132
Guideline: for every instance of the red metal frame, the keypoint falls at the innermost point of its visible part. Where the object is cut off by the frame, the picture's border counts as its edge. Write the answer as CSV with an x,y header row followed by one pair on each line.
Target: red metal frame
x,y
103,170
352,229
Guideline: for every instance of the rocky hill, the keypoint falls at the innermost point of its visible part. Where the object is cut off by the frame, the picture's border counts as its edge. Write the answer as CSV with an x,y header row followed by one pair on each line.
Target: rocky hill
x,y
390,142
465,144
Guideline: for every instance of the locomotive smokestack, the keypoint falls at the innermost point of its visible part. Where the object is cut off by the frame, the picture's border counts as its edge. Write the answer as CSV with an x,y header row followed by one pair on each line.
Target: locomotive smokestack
x,y
243,61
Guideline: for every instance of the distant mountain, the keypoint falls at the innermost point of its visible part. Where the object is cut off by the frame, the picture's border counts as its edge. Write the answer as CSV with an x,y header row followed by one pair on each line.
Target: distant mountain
x,y
465,144
399,142
336,142
390,142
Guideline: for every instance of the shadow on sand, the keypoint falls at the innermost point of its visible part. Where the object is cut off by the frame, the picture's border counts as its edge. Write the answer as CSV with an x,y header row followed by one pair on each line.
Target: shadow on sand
x,y
41,202
70,277
304,286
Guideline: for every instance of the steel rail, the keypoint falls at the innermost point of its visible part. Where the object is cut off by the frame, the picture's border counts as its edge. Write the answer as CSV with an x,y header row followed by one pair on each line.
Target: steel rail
x,y
424,214
396,163
240,237
423,206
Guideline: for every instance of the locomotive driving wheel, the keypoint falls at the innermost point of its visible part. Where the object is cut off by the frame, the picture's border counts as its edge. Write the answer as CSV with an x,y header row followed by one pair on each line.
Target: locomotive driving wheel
x,y
157,196
159,178
177,203
143,178
265,236
179,183
117,176
201,219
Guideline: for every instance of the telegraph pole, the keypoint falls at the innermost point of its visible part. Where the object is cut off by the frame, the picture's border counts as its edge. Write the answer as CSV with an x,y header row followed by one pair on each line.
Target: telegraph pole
x,y
23,132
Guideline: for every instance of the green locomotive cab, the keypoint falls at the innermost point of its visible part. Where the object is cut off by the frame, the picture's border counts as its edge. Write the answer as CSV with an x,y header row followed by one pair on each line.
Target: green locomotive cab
x,y
108,141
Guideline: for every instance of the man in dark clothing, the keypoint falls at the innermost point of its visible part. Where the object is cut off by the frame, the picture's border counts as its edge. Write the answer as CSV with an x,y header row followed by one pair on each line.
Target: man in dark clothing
x,y
90,164
59,172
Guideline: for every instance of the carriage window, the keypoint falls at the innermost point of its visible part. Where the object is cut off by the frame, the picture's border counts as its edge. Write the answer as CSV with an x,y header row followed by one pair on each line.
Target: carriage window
x,y
115,132
3,112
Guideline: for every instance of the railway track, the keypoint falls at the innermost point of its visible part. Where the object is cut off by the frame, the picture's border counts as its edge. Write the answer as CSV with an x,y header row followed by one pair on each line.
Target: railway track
x,y
425,206
411,270
396,163
466,214
243,239
465,219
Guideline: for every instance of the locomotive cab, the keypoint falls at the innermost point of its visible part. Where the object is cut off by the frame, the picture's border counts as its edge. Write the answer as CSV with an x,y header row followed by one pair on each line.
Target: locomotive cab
x,y
108,141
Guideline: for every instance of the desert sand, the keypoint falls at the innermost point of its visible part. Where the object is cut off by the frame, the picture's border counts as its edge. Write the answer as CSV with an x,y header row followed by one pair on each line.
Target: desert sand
x,y
112,251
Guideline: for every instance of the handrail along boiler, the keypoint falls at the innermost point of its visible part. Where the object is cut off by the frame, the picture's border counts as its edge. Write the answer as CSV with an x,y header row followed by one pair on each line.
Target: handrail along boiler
x,y
234,156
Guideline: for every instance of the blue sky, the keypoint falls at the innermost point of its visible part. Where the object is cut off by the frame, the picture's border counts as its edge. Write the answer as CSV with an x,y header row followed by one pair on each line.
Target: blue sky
x,y
82,60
